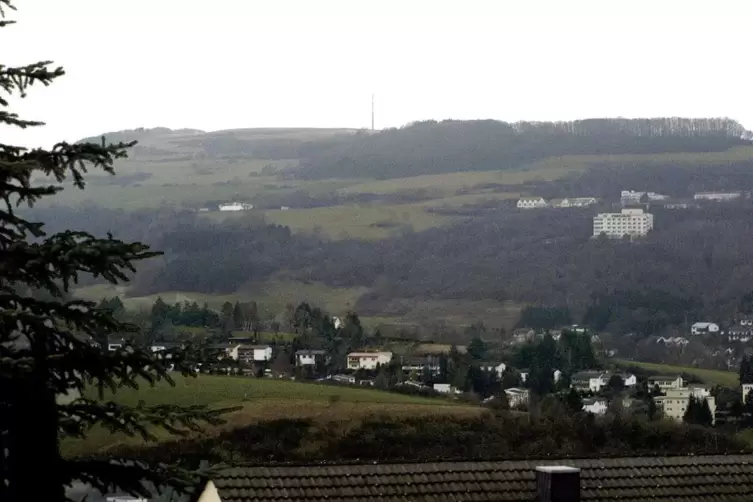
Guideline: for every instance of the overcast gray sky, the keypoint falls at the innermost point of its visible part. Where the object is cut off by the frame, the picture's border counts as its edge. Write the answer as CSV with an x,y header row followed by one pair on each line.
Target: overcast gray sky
x,y
253,63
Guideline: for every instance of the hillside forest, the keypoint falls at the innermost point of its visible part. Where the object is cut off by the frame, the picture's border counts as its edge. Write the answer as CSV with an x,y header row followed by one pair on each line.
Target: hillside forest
x,y
481,247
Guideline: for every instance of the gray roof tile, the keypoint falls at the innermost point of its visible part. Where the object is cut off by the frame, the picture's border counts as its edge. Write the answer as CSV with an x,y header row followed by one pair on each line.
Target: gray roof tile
x,y
682,479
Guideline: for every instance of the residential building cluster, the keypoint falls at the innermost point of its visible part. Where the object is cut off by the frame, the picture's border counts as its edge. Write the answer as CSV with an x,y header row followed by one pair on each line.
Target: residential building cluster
x,y
628,197
540,202
676,396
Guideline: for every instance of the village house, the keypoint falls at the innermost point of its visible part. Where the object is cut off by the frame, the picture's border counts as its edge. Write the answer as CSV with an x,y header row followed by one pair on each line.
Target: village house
x,y
675,401
585,381
628,379
628,197
740,333
531,203
235,206
557,375
446,388
254,353
665,382
524,375
368,360
744,320
746,388
226,350
428,362
496,368
310,357
523,335
596,405
673,340
517,397
704,328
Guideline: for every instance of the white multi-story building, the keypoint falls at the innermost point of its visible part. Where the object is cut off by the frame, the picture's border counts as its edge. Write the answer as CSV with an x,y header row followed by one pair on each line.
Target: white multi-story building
x,y
717,196
632,222
675,402
368,360
531,203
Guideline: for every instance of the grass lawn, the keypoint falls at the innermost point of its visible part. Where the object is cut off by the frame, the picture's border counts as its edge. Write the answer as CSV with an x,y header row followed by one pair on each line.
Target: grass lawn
x,y
711,377
223,390
451,182
267,399
358,221
271,296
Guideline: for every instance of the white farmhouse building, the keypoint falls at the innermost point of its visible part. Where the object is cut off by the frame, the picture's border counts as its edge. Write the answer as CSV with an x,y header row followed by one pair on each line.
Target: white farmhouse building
x,y
703,328
257,353
717,196
746,388
578,202
446,388
597,406
531,203
368,360
632,222
309,357
236,206
633,197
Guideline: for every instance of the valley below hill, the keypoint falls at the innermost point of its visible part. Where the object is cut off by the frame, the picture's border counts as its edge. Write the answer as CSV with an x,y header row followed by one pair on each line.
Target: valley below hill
x,y
418,226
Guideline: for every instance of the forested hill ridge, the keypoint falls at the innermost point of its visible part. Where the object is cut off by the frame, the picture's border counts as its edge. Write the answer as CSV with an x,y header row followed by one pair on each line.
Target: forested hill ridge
x,y
480,145
432,147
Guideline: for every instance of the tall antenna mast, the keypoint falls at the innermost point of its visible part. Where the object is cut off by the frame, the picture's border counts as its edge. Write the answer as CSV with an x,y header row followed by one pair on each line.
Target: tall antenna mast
x,y
372,111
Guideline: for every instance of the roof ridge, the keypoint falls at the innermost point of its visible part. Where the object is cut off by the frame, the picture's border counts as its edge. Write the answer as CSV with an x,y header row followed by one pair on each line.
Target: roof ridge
x,y
461,460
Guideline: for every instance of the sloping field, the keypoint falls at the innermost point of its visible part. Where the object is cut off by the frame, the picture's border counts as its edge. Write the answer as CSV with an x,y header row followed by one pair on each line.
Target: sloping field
x,y
265,400
711,377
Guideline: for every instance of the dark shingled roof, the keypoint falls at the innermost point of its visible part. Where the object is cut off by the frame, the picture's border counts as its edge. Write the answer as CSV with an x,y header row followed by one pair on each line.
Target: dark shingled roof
x,y
632,479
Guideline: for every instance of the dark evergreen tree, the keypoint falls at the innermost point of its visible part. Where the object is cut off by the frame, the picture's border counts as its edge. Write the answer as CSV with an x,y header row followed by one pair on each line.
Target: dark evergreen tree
x,y
698,412
47,362
746,370
226,317
238,317
616,383
477,349
691,412
651,410
574,401
510,379
160,313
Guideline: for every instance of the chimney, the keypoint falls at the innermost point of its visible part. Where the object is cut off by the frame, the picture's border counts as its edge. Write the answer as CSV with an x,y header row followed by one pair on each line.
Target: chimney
x,y
558,483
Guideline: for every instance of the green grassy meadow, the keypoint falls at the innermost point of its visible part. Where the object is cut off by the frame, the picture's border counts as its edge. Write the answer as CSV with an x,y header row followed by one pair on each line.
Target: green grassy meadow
x,y
266,399
711,377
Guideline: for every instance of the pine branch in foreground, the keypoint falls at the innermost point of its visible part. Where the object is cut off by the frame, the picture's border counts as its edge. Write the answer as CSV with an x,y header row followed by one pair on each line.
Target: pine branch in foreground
x,y
46,346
